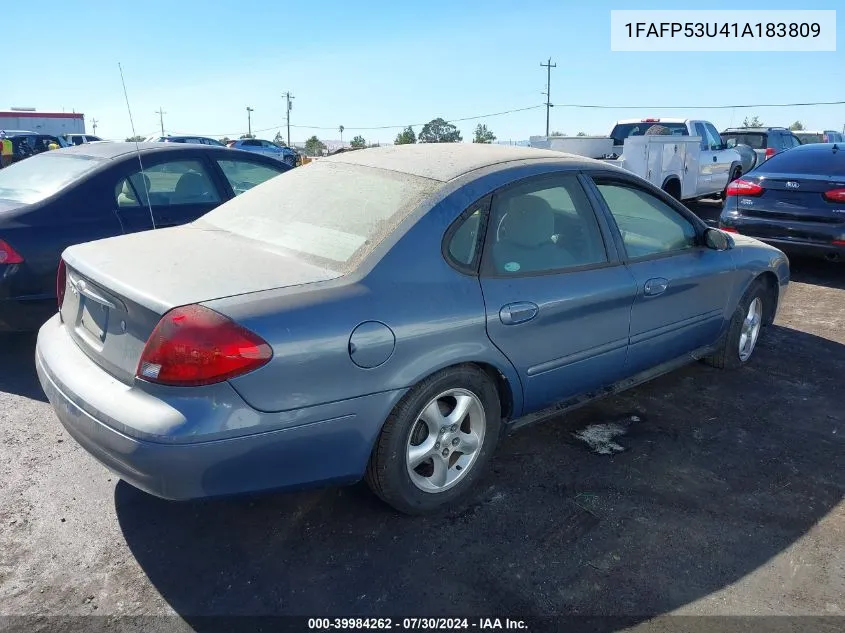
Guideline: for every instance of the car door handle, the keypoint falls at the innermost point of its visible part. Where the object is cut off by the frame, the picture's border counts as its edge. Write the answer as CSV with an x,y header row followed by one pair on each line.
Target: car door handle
x,y
656,286
514,313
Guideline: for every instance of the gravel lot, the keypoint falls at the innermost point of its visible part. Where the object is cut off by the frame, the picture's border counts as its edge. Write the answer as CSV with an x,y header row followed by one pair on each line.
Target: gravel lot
x,y
728,499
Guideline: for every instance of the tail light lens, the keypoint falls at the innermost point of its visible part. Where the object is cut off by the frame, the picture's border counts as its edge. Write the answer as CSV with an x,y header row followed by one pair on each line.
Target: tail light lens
x,y
194,345
9,255
770,151
835,195
740,187
61,283
728,229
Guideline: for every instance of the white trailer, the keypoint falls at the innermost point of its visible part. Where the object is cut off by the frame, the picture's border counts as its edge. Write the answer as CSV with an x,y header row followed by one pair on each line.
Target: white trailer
x,y
54,123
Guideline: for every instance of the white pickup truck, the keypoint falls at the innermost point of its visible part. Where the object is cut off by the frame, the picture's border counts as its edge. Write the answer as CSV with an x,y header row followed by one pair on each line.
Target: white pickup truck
x,y
687,159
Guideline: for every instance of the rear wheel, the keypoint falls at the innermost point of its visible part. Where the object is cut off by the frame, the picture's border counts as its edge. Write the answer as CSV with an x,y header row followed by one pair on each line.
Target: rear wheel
x,y
437,441
740,341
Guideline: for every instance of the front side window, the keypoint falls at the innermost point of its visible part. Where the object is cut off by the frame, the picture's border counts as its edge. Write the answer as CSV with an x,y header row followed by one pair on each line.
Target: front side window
x,y
541,226
167,184
648,225
243,175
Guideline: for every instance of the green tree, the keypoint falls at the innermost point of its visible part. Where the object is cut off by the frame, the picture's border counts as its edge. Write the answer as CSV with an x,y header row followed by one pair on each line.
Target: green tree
x,y
439,131
358,142
279,140
558,134
797,126
225,140
581,134
406,137
243,136
314,146
752,122
483,135
135,139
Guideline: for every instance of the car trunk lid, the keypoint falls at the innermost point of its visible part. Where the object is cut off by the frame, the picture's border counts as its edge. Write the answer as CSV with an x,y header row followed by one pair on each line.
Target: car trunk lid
x,y
118,289
795,197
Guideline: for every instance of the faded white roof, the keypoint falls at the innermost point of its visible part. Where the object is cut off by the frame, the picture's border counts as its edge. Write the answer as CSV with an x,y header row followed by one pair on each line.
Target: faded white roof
x,y
442,161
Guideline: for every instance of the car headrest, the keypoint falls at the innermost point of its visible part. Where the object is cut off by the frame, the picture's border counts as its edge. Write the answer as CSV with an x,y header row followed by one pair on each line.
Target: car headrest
x,y
529,222
191,185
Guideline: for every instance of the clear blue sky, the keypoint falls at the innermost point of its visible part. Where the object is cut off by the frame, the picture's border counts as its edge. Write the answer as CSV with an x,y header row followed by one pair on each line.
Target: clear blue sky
x,y
365,64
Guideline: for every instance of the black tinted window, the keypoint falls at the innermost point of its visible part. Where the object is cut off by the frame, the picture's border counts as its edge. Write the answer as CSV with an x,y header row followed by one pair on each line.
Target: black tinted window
x,y
821,160
624,130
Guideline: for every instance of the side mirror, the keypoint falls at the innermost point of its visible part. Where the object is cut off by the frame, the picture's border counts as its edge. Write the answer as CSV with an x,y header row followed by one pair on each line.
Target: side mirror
x,y
716,239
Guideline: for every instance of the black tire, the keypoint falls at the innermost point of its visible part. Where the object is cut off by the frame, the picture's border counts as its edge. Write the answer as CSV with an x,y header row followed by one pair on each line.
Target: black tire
x,y
387,472
727,355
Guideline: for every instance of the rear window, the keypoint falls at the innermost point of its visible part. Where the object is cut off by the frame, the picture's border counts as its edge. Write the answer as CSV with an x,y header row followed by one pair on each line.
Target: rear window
x,y
822,161
809,137
332,214
755,140
623,130
34,179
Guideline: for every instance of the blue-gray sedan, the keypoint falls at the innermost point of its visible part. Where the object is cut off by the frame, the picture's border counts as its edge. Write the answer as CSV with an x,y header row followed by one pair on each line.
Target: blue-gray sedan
x,y
388,314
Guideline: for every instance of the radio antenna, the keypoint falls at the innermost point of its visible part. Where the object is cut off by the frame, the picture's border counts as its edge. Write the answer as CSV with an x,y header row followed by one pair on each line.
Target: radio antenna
x,y
144,178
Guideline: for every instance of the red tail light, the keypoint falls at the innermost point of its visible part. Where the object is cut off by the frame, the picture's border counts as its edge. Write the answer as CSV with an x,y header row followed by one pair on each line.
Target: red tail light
x,y
650,121
835,195
740,187
9,255
728,229
61,283
770,151
838,242
194,345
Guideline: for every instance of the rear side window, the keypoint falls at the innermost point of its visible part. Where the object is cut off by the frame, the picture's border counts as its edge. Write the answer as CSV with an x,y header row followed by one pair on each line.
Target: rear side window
x,y
624,130
822,161
41,176
243,175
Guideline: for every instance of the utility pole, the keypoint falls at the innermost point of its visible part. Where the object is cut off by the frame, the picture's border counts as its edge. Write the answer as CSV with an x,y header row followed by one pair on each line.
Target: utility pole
x,y
289,96
340,129
548,66
161,114
249,112
94,125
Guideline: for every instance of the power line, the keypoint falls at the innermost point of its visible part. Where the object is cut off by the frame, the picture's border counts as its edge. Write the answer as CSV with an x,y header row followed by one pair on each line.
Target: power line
x,y
543,105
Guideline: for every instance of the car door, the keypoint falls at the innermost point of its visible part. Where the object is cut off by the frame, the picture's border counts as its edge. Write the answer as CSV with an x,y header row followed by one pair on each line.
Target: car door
x,y
176,188
723,158
706,162
557,298
683,287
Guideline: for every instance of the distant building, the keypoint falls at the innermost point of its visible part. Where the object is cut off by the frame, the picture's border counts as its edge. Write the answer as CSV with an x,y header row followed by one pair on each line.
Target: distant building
x,y
55,123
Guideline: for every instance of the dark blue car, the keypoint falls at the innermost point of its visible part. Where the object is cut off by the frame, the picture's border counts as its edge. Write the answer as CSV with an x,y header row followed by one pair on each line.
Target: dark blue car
x,y
389,313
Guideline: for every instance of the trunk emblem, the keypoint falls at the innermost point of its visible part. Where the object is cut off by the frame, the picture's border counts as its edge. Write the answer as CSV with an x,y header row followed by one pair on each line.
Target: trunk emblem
x,y
791,184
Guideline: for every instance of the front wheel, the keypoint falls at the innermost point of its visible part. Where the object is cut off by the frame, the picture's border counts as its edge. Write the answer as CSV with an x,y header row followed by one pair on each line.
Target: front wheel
x,y
740,341
436,442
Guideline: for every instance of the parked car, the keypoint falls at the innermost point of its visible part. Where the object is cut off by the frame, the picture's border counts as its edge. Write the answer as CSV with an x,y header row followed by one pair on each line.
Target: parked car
x,y
827,136
27,144
199,140
388,314
765,141
259,146
79,139
795,201
97,190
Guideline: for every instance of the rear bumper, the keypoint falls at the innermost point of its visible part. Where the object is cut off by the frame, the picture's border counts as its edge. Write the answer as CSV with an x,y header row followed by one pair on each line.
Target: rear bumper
x,y
811,239
328,444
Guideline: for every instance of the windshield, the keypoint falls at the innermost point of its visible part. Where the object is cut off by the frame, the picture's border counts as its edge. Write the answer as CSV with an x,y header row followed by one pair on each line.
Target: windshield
x,y
332,214
623,130
34,179
756,140
820,160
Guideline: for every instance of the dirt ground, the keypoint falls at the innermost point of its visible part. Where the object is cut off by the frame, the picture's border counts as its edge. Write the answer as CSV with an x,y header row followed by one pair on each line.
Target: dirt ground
x,y
726,500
